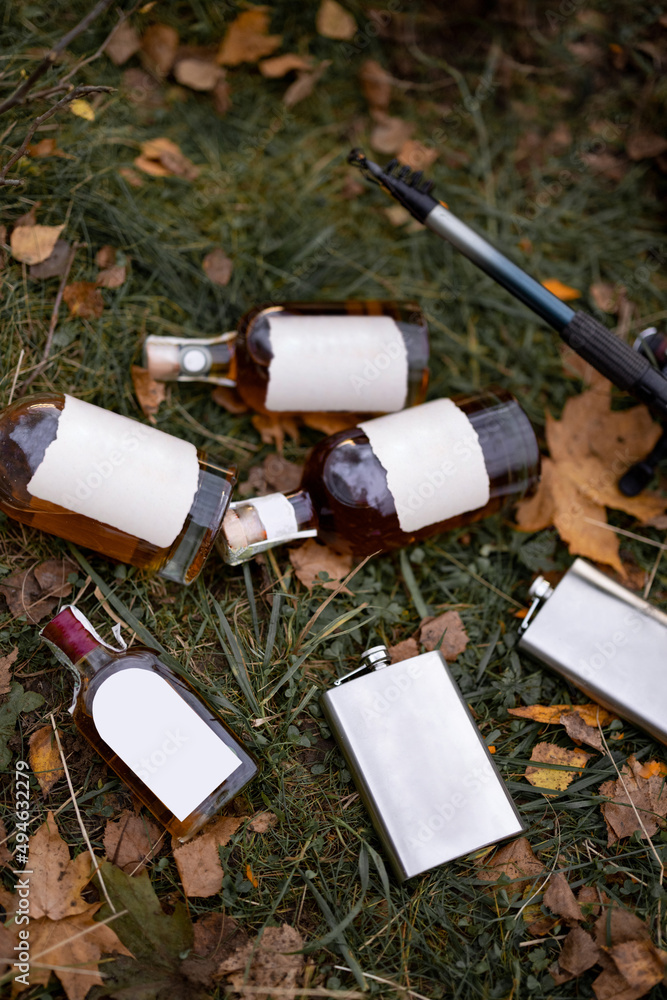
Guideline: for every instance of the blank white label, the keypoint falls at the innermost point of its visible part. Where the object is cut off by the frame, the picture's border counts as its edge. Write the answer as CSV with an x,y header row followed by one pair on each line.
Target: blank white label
x,y
156,733
433,460
120,472
343,363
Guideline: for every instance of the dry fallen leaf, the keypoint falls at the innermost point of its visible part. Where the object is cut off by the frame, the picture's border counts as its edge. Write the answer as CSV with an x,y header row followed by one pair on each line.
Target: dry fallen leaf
x,y
305,82
333,21
149,393
330,423
606,296
46,147
313,558
229,399
648,795
404,650
514,860
218,266
158,48
591,446
36,592
33,244
262,822
216,938
273,427
198,861
247,38
84,299
563,292
106,256
579,952
6,664
446,633
45,758
389,134
130,841
590,713
131,176
276,963
163,158
55,264
279,66
416,155
198,74
112,277
560,899
376,84
123,44
142,90
549,753
645,145
57,881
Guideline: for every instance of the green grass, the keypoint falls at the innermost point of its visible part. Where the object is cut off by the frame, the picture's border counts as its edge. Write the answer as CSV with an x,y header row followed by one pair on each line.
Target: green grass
x,y
276,206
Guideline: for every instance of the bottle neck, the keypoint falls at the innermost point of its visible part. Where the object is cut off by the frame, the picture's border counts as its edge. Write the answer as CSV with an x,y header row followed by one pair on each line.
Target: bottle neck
x,y
75,642
187,359
253,526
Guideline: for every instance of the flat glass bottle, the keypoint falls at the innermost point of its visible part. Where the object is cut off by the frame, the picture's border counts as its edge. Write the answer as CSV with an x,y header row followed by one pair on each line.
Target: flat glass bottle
x,y
396,479
168,745
111,484
297,357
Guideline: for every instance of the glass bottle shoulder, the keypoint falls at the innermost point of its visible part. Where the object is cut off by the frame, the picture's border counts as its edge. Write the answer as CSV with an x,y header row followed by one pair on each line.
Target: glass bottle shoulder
x,y
27,428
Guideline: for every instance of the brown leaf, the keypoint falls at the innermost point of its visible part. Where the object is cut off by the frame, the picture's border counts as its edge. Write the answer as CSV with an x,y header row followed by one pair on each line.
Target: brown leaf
x,y
279,66
123,44
589,713
55,264
282,475
313,558
404,650
645,145
163,158
304,84
275,963
648,796
222,100
46,147
6,663
106,256
84,299
273,427
6,857
247,38
73,947
640,964
333,21
606,164
131,176
591,446
416,155
198,861
330,423
389,134
33,244
262,822
130,841
446,633
45,759
559,898
30,217
228,398
579,952
158,48
52,575
218,266
591,900
112,277
549,753
142,89
515,860
149,393
57,881
216,938
198,74
35,592
376,84
605,296
577,730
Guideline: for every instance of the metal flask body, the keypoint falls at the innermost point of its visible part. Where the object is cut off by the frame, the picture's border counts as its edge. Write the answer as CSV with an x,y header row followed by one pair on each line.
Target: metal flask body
x,y
607,641
418,760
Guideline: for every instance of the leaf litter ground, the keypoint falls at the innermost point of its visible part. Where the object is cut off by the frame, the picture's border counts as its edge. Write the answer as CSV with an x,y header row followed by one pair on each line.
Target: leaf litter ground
x,y
207,202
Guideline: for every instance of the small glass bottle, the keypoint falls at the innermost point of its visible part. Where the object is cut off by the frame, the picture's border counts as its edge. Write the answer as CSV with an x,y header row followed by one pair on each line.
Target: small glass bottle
x,y
168,745
111,484
397,479
299,357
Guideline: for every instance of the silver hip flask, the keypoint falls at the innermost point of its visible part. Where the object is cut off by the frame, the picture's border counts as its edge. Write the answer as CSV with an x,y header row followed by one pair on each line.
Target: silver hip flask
x,y
418,760
607,641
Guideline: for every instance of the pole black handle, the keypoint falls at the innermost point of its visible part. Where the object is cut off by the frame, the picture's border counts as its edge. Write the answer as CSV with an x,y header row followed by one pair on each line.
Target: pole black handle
x,y
616,360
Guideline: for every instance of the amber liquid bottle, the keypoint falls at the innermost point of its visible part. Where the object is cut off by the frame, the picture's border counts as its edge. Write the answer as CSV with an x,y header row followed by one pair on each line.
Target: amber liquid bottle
x,y
298,357
397,479
111,484
168,745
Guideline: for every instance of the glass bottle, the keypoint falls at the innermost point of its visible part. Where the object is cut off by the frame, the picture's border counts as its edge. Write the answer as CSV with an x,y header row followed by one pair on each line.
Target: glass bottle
x,y
297,357
397,479
111,484
168,745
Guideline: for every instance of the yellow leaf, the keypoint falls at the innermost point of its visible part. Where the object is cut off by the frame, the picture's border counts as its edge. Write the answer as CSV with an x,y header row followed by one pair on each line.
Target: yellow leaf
x,y
333,21
33,244
82,109
561,291
549,753
45,758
